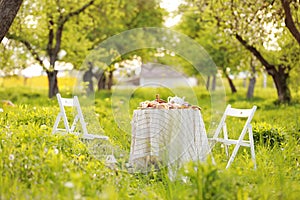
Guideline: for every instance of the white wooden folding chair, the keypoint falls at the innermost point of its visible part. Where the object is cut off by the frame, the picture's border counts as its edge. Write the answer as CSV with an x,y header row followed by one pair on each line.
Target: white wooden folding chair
x,y
241,113
73,102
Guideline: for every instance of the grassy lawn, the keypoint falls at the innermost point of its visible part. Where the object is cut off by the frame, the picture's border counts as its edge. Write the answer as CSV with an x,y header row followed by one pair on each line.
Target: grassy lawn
x,y
35,164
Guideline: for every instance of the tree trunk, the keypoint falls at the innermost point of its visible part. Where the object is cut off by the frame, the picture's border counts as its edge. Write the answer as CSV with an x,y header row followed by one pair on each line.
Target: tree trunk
x,y
281,83
110,80
101,81
280,75
88,79
208,82
251,87
264,79
232,87
52,82
214,83
289,21
8,12
252,81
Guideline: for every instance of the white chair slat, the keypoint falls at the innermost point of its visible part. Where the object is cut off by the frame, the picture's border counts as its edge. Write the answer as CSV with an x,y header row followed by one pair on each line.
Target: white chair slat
x,y
239,112
67,102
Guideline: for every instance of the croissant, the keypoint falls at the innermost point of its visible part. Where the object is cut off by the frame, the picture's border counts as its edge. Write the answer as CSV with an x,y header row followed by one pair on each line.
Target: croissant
x,y
196,107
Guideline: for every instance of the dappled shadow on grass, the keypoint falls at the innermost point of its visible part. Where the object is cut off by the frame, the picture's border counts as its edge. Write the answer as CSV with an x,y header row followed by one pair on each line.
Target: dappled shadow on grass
x,y
253,100
262,102
25,95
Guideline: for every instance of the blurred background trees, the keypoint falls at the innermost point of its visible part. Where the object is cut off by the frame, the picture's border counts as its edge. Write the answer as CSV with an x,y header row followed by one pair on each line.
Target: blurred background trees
x,y
53,31
240,36
264,28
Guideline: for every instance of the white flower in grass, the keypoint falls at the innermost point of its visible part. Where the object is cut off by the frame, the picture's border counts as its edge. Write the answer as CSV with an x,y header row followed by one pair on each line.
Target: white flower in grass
x,y
56,151
69,184
77,196
43,126
9,134
11,157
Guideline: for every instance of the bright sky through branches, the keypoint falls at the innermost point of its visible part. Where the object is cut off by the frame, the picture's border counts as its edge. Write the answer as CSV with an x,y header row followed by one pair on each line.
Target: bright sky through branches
x,y
171,6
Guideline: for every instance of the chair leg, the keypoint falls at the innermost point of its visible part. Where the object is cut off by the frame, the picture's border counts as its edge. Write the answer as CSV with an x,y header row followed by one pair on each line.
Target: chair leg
x,y
226,138
226,150
211,145
236,148
252,146
211,156
74,123
56,123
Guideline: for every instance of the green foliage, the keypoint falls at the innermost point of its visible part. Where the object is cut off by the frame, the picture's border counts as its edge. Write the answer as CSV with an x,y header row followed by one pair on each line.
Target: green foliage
x,y
12,56
268,135
35,164
206,181
199,24
38,25
31,157
258,26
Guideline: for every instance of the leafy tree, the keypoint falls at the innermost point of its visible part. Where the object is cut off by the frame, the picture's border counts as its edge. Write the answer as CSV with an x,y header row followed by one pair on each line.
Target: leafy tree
x,y
129,14
289,14
40,26
200,26
76,27
256,25
12,56
8,11
272,15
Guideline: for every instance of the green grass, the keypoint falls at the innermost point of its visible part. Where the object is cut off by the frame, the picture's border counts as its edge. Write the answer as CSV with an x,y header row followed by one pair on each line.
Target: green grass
x,y
35,164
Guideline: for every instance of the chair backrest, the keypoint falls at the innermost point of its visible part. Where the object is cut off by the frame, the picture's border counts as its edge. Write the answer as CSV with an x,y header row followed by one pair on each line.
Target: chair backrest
x,y
69,102
234,112
62,102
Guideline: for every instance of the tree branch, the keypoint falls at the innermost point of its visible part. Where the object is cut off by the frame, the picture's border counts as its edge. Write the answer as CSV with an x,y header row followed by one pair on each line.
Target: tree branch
x,y
63,20
50,36
256,53
289,22
76,12
33,52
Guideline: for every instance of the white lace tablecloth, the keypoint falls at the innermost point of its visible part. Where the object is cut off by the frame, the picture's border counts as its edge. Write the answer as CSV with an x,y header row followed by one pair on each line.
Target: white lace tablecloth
x,y
167,137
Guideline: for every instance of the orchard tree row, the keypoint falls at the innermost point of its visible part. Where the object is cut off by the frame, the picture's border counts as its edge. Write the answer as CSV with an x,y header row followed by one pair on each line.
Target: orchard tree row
x,y
238,35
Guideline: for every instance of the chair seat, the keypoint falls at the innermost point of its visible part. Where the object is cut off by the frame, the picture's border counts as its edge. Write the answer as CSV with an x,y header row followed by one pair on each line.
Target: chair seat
x,y
84,136
92,136
245,143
